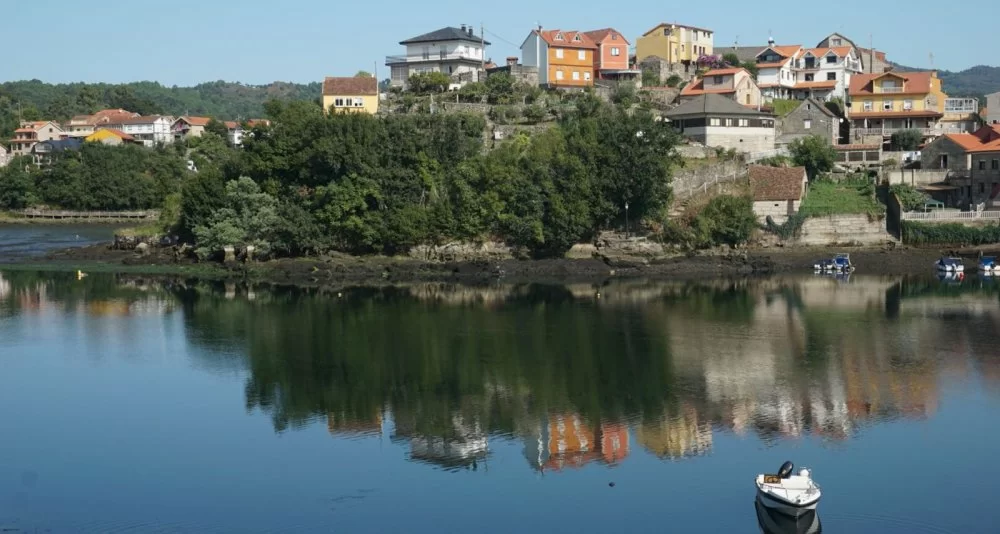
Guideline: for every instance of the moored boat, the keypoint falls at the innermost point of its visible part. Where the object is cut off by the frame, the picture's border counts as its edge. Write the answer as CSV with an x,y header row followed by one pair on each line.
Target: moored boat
x,y
793,495
773,522
988,265
841,263
950,265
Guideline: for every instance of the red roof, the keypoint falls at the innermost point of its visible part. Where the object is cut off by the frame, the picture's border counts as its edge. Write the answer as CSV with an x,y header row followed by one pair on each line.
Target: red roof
x,y
914,83
354,85
777,183
697,87
568,39
599,36
196,121
842,51
724,72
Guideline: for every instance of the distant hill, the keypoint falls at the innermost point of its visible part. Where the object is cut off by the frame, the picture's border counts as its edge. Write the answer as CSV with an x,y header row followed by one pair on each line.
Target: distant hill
x,y
222,100
973,82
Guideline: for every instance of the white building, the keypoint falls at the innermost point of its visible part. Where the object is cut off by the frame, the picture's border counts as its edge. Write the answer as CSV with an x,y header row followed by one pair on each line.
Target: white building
x,y
716,121
775,75
4,156
992,108
151,130
793,72
457,52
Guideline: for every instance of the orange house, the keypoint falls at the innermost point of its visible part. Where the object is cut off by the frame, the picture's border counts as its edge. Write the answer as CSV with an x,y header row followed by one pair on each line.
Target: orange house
x,y
611,59
565,59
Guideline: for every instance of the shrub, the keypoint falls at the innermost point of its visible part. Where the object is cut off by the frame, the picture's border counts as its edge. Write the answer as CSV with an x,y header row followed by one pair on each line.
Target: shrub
x,y
788,229
674,80
535,113
909,198
907,140
814,153
915,233
727,220
423,83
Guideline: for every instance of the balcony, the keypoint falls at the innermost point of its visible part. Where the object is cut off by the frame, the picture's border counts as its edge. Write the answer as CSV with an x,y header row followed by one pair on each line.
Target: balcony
x,y
961,105
888,131
890,90
430,58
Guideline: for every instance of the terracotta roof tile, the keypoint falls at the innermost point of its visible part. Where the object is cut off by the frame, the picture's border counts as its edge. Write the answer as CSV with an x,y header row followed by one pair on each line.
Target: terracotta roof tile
x,y
598,36
777,183
841,51
724,72
366,85
824,84
568,39
914,83
196,121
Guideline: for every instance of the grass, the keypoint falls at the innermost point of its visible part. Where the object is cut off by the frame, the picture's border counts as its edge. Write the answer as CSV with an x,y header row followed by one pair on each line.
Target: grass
x,y
143,230
784,107
95,266
848,197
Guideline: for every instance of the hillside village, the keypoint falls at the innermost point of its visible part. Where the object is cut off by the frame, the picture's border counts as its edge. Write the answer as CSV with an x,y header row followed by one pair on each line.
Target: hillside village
x,y
748,103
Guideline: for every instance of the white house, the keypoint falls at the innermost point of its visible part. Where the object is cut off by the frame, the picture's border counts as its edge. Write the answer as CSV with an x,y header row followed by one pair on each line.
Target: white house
x,y
777,191
992,108
775,73
717,121
825,73
151,130
457,52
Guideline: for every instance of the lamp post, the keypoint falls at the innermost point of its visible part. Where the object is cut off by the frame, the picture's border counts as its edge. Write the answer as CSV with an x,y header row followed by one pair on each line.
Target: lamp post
x,y
626,219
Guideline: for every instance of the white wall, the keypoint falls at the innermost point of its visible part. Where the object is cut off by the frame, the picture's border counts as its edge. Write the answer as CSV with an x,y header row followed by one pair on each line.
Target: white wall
x,y
742,139
467,49
993,108
776,209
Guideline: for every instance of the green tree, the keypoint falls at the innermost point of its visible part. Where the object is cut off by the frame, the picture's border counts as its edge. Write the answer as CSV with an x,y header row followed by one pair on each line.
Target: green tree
x,y
218,128
674,80
423,83
906,140
17,186
814,153
501,88
363,74
728,219
248,217
650,78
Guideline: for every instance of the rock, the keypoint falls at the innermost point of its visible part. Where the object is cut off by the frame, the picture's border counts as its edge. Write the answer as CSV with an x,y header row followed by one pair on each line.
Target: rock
x,y
142,249
229,253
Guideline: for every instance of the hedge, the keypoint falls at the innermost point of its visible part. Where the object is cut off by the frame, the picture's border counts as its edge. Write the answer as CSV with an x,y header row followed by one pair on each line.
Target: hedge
x,y
915,233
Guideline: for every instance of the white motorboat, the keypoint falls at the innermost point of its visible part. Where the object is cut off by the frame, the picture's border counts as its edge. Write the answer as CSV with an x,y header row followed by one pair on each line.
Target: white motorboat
x,y
789,494
988,265
950,265
774,522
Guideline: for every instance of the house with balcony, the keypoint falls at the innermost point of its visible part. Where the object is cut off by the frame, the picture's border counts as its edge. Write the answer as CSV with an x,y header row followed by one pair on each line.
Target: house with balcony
x,y
882,104
611,58
31,133
43,151
150,130
735,83
676,44
775,75
185,127
457,52
355,94
872,61
565,59
824,73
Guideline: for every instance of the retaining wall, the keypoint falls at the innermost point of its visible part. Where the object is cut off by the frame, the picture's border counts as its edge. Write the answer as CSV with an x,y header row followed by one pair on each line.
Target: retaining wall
x,y
843,230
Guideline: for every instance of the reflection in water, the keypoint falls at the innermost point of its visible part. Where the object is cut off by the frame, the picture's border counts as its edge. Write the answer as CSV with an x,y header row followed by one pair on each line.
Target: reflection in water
x,y
774,522
575,378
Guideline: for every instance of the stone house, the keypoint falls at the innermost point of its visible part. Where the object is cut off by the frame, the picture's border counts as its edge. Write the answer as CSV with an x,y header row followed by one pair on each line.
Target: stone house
x,y
992,108
811,118
777,191
716,121
953,152
521,73
985,175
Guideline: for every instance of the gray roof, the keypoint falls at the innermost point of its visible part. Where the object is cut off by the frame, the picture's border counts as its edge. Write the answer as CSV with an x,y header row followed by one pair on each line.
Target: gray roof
x,y
712,105
444,34
819,105
743,53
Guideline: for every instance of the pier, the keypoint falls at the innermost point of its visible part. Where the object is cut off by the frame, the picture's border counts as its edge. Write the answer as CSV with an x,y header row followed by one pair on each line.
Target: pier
x,y
89,215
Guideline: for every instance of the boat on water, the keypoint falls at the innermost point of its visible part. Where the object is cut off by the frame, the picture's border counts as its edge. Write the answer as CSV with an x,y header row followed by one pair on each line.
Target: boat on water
x,y
790,494
773,522
841,263
950,265
988,265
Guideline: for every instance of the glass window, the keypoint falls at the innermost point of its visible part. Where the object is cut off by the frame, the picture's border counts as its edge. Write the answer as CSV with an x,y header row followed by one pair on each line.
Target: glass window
x,y
582,54
807,124
714,122
831,76
576,75
559,53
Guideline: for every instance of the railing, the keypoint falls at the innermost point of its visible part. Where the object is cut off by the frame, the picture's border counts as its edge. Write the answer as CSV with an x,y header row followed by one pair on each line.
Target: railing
x,y
890,90
105,215
395,60
757,156
860,132
947,215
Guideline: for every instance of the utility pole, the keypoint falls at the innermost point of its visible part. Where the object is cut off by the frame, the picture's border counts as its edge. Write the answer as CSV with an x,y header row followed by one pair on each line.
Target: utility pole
x,y
482,48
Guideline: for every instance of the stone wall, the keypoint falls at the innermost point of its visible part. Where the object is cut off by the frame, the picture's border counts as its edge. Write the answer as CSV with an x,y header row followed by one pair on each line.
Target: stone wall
x,y
843,230
662,96
687,181
663,69
521,73
695,152
915,177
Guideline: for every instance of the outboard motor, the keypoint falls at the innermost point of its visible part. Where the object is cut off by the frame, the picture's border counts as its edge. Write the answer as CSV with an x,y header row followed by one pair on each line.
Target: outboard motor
x,y
786,469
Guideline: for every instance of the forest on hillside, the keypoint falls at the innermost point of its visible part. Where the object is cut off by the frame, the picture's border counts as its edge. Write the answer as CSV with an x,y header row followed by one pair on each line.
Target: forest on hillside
x,y
974,82
34,100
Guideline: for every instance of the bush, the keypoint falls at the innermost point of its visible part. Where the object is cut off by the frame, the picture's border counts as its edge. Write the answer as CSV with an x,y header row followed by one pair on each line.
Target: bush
x,y
814,153
890,164
248,217
788,229
909,198
727,220
907,140
674,80
535,113
915,233
423,83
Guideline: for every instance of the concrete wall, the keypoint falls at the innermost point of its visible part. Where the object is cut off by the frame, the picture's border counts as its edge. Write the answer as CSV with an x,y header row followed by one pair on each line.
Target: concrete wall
x,y
776,209
743,139
843,230
915,177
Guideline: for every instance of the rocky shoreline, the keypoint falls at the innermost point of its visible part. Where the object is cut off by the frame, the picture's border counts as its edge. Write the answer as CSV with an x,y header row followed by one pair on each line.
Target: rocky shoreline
x,y
600,266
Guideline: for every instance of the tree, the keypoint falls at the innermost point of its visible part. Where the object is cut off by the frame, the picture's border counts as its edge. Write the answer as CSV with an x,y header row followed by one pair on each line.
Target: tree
x,y
728,219
218,128
17,186
428,82
501,88
731,59
248,217
674,80
907,140
814,153
650,78
363,74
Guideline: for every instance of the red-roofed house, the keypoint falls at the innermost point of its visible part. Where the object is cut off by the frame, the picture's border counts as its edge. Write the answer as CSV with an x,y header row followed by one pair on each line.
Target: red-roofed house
x,y
777,191
355,94
973,161
734,83
611,60
84,125
565,59
238,130
775,75
31,133
150,130
185,127
824,73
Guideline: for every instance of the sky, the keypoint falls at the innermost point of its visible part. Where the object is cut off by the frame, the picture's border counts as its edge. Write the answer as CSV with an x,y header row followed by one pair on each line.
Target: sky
x,y
185,42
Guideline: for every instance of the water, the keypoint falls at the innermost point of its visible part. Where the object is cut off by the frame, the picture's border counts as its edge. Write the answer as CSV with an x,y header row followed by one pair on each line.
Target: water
x,y
184,406
19,242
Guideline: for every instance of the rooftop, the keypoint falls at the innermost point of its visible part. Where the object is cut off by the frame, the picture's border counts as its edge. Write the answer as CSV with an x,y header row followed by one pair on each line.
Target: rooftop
x,y
777,183
566,38
355,85
449,33
712,104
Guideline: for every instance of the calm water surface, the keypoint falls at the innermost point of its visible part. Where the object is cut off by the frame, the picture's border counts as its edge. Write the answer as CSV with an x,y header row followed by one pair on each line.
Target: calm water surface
x,y
183,406
19,242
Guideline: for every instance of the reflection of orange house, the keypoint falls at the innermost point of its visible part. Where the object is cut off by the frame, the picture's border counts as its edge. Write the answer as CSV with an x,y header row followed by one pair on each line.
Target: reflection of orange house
x,y
613,442
565,440
339,424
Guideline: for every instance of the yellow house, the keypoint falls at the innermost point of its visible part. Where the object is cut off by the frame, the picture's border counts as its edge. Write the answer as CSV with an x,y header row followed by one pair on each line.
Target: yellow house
x,y
110,136
675,43
883,103
351,95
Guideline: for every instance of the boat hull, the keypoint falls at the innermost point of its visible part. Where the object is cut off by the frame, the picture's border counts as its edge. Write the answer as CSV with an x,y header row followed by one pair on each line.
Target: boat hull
x,y
774,522
779,505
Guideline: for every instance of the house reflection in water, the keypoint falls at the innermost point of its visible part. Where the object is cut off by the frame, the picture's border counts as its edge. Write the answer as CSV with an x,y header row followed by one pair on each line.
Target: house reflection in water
x,y
676,436
466,446
343,425
566,440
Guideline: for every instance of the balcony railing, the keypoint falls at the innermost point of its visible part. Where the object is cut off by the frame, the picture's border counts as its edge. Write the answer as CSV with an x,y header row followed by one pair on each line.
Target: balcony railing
x,y
429,58
890,90
887,131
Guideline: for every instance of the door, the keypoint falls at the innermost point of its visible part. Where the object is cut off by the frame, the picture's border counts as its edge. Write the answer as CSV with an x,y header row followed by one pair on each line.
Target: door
x,y
791,208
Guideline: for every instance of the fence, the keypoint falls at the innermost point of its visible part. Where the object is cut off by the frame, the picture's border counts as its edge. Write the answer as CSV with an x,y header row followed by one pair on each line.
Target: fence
x,y
951,216
702,187
757,156
90,215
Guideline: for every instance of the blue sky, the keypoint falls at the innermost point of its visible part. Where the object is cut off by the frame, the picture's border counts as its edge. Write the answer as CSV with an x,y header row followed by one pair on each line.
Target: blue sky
x,y
184,42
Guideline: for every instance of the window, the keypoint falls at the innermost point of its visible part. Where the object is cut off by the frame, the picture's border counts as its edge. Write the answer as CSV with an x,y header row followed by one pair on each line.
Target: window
x,y
807,124
717,79
682,48
907,105
982,165
944,161
887,105
359,102
559,53
339,102
615,51
559,74
577,38
744,122
586,76
831,76
868,105
714,122
581,55
559,37
995,165
614,36
576,75
835,42
982,188
810,77
831,59
729,122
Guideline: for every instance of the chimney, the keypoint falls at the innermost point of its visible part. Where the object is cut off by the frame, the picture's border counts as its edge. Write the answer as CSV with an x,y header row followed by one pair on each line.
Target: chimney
x,y
463,28
470,32
770,41
511,61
